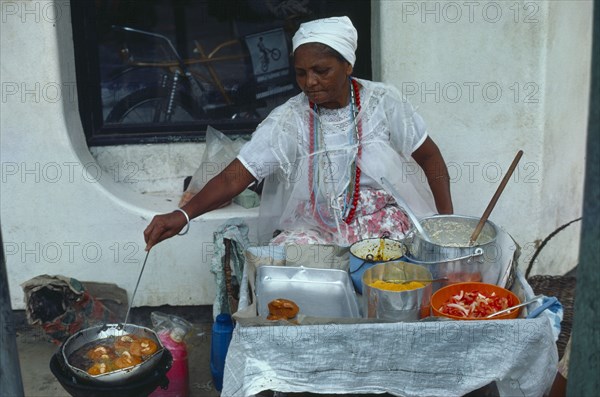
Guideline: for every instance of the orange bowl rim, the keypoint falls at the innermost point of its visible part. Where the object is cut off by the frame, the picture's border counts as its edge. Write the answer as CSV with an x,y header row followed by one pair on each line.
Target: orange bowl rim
x,y
514,298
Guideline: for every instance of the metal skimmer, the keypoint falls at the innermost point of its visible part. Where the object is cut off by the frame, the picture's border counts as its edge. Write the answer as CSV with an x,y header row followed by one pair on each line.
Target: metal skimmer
x,y
136,287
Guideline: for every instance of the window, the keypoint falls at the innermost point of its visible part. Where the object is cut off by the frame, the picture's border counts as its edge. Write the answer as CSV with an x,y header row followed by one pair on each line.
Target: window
x,y
151,71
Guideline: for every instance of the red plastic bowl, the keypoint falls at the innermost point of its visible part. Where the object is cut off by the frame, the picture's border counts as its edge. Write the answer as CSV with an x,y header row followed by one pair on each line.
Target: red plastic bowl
x,y
442,295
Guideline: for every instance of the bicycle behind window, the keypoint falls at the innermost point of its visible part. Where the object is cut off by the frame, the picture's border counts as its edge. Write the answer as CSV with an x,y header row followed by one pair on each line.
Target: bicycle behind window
x,y
151,71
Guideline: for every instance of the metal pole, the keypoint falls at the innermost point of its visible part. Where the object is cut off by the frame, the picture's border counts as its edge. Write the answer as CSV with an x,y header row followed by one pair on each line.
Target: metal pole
x,y
10,370
584,363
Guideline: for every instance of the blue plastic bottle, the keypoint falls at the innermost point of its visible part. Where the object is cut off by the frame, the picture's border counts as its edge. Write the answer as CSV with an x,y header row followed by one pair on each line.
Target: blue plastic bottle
x,y
221,336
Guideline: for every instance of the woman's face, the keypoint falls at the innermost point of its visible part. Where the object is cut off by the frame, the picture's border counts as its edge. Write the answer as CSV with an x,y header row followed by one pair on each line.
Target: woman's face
x,y
322,76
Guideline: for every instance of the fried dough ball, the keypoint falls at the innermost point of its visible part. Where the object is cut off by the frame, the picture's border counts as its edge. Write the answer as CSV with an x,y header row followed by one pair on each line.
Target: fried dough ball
x,y
123,342
100,353
100,368
126,351
282,309
143,347
127,360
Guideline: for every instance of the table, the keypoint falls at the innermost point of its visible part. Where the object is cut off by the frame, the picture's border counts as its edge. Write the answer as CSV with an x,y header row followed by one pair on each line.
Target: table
x,y
430,357
408,359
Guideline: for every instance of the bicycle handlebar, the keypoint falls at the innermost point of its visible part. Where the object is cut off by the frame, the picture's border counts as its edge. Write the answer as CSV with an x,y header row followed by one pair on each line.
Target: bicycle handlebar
x,y
152,34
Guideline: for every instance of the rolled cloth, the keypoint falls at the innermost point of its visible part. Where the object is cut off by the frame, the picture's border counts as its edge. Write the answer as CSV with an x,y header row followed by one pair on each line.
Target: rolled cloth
x,y
336,32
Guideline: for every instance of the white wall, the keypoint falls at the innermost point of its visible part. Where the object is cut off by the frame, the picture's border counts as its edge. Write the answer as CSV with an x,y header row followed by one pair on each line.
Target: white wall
x,y
491,78
64,211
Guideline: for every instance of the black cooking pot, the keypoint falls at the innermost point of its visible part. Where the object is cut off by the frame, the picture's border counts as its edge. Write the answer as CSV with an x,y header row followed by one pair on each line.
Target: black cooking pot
x,y
140,387
121,376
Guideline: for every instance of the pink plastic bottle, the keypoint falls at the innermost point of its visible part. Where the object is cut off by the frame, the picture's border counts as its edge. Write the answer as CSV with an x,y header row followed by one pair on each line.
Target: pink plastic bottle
x,y
179,373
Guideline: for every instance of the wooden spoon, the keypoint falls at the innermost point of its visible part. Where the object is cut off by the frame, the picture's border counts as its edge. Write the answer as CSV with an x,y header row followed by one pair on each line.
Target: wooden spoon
x,y
495,198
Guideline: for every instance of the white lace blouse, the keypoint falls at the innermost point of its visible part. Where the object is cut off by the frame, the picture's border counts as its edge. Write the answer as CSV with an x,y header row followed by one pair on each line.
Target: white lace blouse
x,y
279,153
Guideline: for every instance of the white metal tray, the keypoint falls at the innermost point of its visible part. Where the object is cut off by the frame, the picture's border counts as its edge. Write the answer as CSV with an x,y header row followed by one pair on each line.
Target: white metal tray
x,y
317,292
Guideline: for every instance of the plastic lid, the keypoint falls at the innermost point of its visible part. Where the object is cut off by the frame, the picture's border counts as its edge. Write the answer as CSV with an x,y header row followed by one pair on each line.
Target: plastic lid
x,y
177,334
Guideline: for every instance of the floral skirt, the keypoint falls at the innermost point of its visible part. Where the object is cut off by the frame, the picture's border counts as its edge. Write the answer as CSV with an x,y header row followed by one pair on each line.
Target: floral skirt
x,y
377,215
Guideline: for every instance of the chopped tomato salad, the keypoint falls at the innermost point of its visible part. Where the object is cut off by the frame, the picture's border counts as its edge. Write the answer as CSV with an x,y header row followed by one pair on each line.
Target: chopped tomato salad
x,y
474,304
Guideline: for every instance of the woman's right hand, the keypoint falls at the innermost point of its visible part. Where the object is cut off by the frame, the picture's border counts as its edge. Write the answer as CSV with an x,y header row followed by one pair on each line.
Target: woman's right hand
x,y
163,227
217,192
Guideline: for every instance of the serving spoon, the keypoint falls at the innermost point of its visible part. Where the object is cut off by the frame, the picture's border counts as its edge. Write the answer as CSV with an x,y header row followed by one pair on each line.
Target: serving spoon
x,y
413,218
535,298
495,198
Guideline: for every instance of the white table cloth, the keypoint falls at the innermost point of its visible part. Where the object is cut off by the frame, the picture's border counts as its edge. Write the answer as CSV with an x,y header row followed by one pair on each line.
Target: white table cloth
x,y
424,358
406,359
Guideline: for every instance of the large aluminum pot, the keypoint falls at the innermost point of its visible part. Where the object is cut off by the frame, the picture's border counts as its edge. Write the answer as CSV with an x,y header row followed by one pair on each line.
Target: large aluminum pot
x,y
449,247
466,268
92,334
410,305
367,253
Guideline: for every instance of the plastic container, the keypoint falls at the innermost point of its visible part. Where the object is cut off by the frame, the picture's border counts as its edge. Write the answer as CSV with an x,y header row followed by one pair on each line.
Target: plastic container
x,y
367,253
178,375
221,336
442,295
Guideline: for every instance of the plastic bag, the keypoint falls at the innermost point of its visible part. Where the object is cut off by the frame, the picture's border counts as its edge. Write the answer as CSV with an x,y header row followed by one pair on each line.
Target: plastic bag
x,y
220,151
63,306
172,331
163,323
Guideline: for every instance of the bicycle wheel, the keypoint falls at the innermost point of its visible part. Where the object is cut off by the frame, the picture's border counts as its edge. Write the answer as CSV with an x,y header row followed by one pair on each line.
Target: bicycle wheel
x,y
264,64
149,105
275,54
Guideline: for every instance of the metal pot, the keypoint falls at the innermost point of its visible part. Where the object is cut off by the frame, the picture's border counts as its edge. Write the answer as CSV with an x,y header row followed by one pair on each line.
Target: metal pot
x,y
410,305
143,386
449,248
367,253
466,268
92,334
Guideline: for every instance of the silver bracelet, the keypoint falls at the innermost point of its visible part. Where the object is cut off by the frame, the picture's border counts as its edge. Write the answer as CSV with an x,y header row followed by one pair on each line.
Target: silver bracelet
x,y
187,218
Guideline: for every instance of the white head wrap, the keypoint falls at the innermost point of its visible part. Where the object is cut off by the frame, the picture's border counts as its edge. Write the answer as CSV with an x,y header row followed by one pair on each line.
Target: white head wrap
x,y
336,32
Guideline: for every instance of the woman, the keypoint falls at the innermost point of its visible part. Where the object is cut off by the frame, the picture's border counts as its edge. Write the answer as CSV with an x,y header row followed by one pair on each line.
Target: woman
x,y
324,152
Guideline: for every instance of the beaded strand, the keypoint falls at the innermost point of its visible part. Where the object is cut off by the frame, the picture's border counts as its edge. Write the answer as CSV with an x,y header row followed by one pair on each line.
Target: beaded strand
x,y
355,93
353,190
